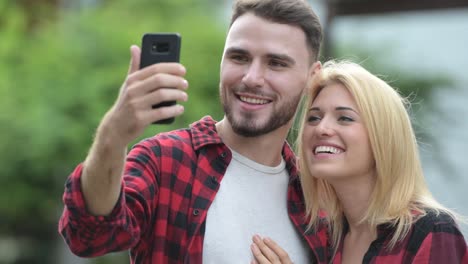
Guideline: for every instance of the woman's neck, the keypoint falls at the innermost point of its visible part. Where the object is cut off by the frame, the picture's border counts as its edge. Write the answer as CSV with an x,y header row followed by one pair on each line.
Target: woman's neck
x,y
354,196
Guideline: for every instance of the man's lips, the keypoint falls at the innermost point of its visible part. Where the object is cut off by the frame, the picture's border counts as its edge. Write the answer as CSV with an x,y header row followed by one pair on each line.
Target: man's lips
x,y
252,100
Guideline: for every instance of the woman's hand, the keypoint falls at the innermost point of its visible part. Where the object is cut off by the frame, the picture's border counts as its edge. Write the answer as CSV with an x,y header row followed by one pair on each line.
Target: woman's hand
x,y
267,251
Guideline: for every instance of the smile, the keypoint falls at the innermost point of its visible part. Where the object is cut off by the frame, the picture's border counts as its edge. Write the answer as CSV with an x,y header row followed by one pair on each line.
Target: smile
x,y
327,150
251,100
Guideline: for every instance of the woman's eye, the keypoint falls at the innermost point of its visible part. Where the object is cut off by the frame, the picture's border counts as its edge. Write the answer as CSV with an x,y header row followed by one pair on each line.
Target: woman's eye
x,y
312,119
345,119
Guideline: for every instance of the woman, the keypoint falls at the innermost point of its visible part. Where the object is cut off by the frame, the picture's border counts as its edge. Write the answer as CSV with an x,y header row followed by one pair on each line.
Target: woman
x,y
359,162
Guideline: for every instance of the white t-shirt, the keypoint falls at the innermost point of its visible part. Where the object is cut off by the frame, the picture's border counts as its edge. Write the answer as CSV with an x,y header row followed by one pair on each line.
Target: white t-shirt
x,y
252,199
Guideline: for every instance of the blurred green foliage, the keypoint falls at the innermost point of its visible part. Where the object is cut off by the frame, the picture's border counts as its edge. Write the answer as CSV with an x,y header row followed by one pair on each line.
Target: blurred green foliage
x,y
59,77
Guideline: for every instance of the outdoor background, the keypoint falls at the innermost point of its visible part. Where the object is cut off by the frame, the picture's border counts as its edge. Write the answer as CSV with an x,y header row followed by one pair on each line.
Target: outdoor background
x,y
62,63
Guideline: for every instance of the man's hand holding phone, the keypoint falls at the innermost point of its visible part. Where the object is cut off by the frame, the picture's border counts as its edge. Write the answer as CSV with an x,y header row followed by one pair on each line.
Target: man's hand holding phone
x,y
142,90
132,112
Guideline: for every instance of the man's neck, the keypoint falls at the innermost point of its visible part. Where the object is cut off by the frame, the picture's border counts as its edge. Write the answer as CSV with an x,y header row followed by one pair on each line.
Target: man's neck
x,y
265,149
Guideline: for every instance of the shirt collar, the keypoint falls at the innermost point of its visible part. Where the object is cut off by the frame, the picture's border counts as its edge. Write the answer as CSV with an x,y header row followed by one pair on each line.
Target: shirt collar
x,y
204,133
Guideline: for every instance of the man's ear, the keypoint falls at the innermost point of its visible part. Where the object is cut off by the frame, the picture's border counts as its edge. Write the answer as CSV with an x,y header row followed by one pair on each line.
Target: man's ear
x,y
316,67
314,73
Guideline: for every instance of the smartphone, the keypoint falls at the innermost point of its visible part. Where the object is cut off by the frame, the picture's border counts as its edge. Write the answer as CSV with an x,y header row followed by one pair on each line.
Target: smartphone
x,y
160,47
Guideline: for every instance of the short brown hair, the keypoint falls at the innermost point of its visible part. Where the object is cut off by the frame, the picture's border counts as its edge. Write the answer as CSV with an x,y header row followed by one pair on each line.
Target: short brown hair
x,y
290,12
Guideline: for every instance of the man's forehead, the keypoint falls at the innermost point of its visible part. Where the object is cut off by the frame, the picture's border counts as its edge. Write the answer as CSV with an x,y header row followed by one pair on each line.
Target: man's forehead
x,y
254,33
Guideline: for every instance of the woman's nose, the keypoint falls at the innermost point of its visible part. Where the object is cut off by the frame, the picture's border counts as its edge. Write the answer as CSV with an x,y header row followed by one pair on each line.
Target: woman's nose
x,y
324,128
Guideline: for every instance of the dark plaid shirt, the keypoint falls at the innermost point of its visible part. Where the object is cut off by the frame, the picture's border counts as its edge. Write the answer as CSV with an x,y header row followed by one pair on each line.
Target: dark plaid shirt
x,y
170,180
433,239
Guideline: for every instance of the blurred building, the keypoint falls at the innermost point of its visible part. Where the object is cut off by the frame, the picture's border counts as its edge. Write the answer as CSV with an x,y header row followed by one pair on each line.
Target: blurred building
x,y
425,38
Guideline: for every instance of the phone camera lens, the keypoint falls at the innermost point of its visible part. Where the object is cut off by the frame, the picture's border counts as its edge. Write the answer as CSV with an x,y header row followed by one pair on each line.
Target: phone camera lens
x,y
160,47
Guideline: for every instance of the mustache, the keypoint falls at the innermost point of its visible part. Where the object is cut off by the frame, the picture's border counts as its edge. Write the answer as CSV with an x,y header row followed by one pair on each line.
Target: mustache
x,y
242,88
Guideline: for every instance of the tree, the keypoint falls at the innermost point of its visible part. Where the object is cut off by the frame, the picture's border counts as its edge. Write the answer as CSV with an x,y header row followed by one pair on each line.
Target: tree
x,y
58,79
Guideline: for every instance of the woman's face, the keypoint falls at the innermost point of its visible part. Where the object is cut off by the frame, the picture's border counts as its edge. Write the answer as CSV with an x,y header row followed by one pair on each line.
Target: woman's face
x,y
336,142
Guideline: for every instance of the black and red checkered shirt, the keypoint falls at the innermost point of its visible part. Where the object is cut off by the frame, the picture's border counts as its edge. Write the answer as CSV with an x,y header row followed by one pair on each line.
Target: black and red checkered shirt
x,y
433,239
170,180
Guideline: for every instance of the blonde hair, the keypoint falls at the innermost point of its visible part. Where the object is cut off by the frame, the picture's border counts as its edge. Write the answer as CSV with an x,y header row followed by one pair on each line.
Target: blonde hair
x,y
400,190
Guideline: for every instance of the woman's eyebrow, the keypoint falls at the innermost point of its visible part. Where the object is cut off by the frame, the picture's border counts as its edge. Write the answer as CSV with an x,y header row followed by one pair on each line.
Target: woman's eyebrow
x,y
314,109
338,108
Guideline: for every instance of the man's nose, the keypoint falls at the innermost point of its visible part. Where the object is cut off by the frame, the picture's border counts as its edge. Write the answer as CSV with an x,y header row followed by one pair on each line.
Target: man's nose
x,y
254,76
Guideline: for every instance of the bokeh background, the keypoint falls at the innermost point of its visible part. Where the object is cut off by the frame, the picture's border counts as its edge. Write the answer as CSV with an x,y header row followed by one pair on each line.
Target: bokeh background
x,y
62,63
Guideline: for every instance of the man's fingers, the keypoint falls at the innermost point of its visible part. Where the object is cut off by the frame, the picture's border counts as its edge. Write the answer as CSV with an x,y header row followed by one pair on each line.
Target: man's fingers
x,y
163,80
161,113
161,95
170,68
155,83
135,54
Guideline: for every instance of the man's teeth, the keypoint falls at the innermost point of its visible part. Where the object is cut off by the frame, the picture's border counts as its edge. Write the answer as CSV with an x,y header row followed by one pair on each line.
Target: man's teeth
x,y
253,100
327,149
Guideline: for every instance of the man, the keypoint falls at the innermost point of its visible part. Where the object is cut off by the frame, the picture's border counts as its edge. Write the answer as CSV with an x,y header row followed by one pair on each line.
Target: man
x,y
200,194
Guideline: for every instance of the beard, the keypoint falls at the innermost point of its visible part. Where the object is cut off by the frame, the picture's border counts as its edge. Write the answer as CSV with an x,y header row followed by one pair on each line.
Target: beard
x,y
248,124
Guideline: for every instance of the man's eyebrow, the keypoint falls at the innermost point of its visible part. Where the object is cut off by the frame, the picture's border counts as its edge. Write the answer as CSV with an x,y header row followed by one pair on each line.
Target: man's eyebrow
x,y
236,50
276,56
282,57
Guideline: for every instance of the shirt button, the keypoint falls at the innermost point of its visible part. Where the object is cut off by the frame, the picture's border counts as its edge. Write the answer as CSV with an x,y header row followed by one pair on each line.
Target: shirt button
x,y
213,180
196,212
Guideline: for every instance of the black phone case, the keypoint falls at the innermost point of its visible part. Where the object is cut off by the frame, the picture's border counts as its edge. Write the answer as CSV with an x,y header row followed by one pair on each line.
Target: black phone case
x,y
160,47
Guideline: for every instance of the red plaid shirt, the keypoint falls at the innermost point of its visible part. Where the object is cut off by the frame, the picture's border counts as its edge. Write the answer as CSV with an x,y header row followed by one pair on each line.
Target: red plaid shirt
x,y
432,240
170,180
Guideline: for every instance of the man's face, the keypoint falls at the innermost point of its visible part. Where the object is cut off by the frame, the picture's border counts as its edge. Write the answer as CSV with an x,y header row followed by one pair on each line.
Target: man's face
x,y
264,69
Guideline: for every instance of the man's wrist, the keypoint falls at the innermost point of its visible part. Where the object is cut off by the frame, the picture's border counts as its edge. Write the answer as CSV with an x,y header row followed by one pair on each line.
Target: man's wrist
x,y
109,136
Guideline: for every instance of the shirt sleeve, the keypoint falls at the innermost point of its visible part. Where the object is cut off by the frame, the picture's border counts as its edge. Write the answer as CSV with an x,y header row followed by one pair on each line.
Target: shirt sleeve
x,y
444,244
88,235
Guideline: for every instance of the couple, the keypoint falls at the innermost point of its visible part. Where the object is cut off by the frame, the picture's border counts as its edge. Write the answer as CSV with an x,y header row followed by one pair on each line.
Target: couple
x,y
230,191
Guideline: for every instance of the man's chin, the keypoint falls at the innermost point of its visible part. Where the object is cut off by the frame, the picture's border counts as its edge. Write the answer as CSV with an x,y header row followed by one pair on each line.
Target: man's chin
x,y
245,129
249,128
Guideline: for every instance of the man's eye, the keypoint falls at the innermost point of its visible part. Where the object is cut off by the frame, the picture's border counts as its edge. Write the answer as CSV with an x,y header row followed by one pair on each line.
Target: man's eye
x,y
239,58
278,64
